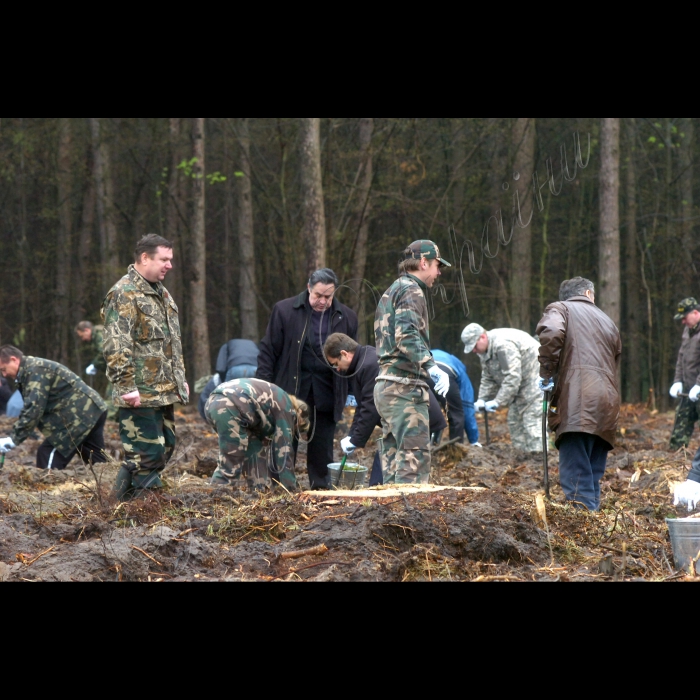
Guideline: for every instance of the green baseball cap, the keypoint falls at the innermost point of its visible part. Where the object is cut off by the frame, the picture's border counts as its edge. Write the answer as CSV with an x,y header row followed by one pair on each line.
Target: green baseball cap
x,y
686,306
425,249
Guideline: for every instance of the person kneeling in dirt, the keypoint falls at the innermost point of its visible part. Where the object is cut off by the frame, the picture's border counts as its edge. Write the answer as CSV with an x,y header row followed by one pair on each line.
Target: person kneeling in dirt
x,y
67,411
360,366
509,373
249,415
579,360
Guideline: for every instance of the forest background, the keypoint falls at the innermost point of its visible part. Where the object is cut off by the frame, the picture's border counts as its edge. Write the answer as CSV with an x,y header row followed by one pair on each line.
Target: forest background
x,y
252,205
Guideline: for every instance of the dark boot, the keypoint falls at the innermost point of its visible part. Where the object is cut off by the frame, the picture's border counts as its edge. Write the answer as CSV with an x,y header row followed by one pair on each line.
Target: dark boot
x,y
123,489
145,481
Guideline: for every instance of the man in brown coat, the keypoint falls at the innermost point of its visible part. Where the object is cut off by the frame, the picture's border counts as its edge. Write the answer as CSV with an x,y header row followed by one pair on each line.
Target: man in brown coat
x,y
579,357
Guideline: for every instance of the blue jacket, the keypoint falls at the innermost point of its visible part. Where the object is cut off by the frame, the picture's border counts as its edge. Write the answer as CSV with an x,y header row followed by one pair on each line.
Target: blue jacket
x,y
466,391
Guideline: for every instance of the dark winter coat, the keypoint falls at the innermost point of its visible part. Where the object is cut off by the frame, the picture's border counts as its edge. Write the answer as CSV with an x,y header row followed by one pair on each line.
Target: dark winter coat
x,y
580,348
688,363
236,352
287,331
362,374
5,393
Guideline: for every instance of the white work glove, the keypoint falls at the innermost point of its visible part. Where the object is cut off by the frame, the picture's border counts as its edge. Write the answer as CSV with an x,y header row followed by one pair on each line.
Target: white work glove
x,y
687,493
91,370
676,389
6,444
693,393
441,379
347,446
479,405
545,384
476,444
491,406
132,398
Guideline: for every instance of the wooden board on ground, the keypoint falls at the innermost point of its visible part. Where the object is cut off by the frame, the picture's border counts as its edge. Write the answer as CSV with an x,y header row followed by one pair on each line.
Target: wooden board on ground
x,y
390,491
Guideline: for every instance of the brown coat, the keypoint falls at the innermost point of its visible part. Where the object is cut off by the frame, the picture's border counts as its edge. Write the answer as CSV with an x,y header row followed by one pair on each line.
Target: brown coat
x,y
580,348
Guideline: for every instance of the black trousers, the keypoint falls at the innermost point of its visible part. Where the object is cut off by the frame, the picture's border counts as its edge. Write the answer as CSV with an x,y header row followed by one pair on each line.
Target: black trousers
x,y
455,410
319,452
91,449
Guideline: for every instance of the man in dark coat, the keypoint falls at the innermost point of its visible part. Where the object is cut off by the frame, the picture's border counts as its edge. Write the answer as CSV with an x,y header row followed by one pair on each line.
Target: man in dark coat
x,y
687,377
291,356
579,358
360,365
5,393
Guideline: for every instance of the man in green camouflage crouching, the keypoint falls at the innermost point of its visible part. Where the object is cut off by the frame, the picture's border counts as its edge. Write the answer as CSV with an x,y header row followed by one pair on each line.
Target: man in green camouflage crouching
x,y
143,352
70,414
401,394
248,416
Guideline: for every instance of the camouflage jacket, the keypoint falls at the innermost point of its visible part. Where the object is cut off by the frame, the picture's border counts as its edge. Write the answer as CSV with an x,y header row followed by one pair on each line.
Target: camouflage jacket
x,y
57,402
95,345
265,410
142,346
401,330
510,367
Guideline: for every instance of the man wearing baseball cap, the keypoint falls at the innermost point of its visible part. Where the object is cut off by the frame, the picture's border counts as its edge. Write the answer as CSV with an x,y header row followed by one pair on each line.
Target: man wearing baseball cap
x,y
405,362
687,377
509,374
687,381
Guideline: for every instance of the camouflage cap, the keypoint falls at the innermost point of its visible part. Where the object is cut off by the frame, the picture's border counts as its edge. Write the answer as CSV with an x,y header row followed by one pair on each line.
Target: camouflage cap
x,y
425,249
685,307
470,335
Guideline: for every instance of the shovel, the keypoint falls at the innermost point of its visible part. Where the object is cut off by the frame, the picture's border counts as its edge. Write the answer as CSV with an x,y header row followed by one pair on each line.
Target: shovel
x,y
544,442
340,471
486,426
2,460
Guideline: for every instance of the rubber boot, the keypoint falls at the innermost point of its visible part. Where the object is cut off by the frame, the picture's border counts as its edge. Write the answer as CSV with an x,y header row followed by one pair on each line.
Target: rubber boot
x,y
218,480
123,490
145,481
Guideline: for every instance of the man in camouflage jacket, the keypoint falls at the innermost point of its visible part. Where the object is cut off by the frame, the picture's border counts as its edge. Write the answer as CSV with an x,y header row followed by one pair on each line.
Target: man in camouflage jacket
x,y
250,415
143,352
509,373
403,349
68,413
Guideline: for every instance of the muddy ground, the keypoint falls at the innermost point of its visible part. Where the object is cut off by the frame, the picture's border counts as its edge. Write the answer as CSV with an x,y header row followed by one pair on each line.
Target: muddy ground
x,y
64,526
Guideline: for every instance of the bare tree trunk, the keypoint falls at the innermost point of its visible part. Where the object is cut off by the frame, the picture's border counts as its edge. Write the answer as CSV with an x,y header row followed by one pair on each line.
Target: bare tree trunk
x,y
523,138
359,262
633,298
246,240
609,241
105,205
690,245
22,239
198,258
175,211
63,240
314,230
458,156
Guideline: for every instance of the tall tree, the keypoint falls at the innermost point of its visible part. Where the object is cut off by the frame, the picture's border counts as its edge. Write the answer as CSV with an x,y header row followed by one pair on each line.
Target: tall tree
x,y
609,238
314,226
359,261
175,208
63,238
104,186
523,139
198,257
685,154
246,240
634,309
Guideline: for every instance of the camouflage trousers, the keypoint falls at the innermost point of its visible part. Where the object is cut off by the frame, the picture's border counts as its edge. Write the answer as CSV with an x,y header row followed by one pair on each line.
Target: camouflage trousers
x,y
148,438
405,431
683,426
241,450
525,423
